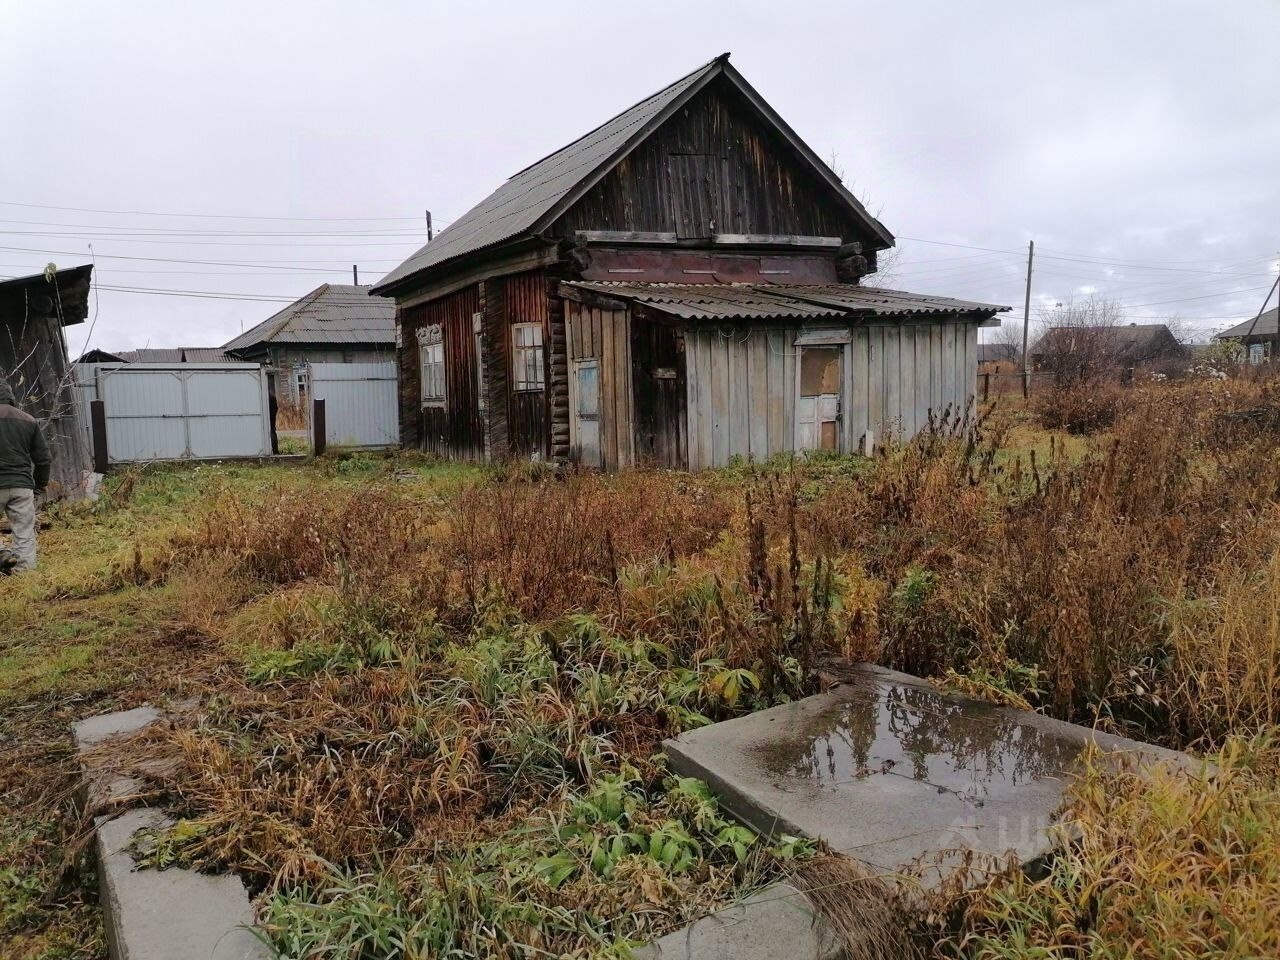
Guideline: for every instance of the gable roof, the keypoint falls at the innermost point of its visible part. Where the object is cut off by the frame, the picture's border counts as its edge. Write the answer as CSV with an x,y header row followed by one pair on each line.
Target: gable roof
x,y
1264,325
536,195
331,313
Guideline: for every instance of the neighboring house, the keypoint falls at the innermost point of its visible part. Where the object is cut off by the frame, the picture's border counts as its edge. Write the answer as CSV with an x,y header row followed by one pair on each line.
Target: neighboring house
x,y
680,286
1078,351
33,356
335,323
157,355
997,358
1256,336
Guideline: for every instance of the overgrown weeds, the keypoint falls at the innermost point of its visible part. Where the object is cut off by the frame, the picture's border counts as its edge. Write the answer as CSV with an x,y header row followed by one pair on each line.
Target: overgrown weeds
x,y
1154,865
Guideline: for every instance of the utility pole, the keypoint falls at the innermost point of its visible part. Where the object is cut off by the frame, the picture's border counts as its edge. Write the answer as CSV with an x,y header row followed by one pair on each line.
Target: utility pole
x,y
429,234
1275,343
1026,321
355,275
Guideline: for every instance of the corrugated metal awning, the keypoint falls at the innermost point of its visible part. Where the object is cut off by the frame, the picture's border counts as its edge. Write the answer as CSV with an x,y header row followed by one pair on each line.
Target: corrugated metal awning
x,y
762,301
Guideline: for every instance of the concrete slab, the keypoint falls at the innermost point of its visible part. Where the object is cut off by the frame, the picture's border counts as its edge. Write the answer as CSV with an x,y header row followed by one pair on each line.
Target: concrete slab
x,y
107,726
169,914
779,921
890,771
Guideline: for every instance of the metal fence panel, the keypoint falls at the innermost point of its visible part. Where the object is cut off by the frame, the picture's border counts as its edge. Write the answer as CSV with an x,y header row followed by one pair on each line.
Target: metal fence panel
x,y
179,411
361,403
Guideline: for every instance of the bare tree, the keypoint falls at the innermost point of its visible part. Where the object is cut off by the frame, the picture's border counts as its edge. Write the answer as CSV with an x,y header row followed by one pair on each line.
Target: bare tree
x,y
1079,339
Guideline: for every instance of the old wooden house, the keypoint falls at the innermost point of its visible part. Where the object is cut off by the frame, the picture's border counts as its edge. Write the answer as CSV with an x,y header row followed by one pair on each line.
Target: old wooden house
x,y
33,357
334,323
680,286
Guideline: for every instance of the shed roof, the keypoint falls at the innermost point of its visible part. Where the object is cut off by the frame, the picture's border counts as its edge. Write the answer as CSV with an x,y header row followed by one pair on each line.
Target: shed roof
x,y
762,301
331,313
534,196
65,296
1264,325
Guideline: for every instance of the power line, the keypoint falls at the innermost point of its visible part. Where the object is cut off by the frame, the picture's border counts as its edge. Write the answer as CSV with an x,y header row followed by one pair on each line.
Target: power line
x,y
207,263
215,216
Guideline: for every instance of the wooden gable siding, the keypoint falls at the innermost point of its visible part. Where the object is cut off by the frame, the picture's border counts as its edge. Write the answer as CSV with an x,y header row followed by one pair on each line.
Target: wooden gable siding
x,y
454,429
594,333
711,162
741,386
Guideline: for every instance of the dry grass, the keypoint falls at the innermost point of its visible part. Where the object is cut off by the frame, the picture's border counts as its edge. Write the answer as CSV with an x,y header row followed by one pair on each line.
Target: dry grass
x,y
1160,867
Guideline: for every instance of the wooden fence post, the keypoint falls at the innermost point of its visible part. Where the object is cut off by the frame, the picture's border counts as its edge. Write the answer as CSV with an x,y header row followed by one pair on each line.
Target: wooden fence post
x,y
98,430
986,386
317,426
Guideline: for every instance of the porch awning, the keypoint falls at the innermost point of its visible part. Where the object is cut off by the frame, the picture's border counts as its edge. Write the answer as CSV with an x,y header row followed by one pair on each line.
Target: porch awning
x,y
763,301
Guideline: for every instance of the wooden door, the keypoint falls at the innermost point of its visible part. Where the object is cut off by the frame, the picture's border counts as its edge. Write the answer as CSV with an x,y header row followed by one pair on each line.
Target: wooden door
x,y
820,398
586,413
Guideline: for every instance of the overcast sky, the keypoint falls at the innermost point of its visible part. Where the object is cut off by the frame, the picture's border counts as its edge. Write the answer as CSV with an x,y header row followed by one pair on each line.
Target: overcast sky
x,y
1138,143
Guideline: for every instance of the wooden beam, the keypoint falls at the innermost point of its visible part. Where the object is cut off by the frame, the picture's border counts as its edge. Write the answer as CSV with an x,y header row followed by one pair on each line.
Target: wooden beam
x,y
430,290
318,431
98,429
773,240
590,298
625,236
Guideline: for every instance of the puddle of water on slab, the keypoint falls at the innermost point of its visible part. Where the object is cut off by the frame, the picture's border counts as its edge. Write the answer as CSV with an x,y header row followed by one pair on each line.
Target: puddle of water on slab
x,y
967,750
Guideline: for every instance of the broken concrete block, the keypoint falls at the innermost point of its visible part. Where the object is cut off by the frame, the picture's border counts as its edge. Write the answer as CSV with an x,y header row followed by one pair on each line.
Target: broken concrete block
x,y
891,771
172,914
778,921
107,726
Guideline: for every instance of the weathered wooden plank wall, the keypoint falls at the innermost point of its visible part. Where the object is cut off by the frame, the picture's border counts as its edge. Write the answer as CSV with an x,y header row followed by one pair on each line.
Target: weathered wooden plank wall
x,y
454,428
893,376
525,300
740,393
605,335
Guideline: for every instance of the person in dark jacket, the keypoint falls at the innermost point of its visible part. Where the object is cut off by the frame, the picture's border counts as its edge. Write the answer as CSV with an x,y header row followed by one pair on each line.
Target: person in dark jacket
x,y
24,469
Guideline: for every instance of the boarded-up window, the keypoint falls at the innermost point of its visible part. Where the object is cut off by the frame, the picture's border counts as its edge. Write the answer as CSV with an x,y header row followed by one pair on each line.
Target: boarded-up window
x,y
526,357
694,180
431,363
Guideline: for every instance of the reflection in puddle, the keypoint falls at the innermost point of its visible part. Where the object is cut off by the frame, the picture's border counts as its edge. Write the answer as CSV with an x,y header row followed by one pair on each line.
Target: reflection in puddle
x,y
964,749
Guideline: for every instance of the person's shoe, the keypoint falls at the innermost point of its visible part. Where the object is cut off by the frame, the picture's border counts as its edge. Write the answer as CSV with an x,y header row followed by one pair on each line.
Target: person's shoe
x,y
8,562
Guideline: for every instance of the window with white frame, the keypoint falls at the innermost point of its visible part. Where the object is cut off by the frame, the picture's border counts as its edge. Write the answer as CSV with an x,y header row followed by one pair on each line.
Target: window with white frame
x,y
431,363
526,357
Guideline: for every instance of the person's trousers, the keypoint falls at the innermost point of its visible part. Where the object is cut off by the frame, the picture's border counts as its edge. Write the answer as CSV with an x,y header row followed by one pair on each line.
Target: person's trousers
x,y
19,506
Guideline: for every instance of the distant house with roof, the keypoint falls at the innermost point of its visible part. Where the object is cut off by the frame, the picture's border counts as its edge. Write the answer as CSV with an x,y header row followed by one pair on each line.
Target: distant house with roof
x,y
156,355
1074,352
335,323
1257,336
997,357
681,286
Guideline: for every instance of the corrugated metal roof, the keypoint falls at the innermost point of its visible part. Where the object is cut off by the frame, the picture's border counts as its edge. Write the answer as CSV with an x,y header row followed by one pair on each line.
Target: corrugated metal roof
x,y
332,313
760,301
519,203
1265,326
